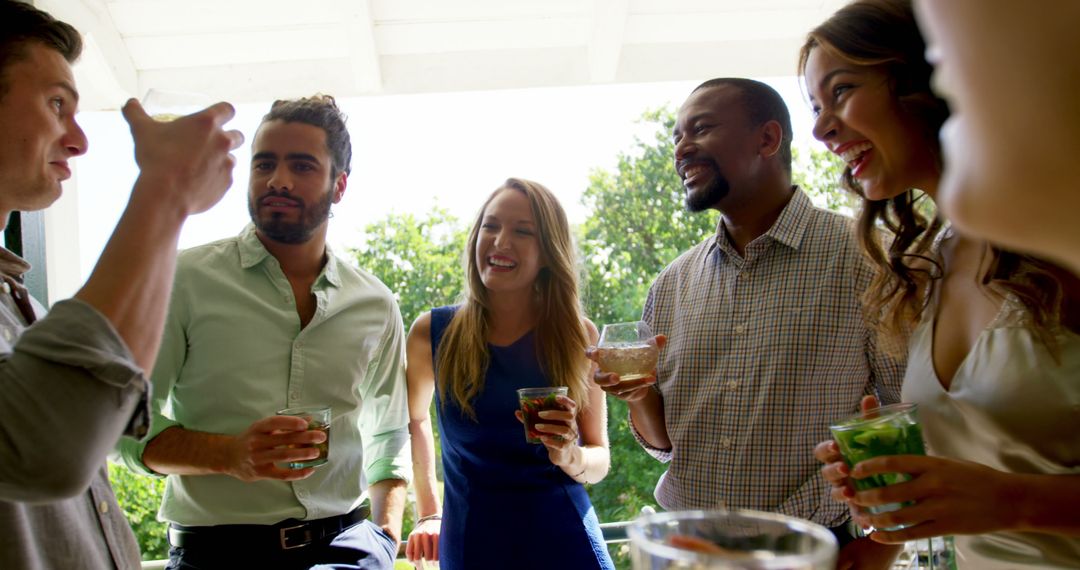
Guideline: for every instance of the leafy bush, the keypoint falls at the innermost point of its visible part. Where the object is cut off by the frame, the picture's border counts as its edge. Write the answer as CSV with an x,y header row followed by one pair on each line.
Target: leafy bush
x,y
140,496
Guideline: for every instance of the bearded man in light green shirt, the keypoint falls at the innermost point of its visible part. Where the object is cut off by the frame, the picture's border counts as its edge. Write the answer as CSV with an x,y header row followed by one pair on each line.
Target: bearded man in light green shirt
x,y
268,320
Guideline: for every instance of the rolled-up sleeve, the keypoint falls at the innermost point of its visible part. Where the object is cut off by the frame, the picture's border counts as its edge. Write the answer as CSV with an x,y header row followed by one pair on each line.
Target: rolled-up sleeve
x,y
384,416
167,367
69,388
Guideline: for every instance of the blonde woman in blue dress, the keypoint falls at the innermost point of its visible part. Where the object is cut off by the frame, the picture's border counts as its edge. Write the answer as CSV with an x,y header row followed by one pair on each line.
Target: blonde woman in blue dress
x,y
994,358
509,503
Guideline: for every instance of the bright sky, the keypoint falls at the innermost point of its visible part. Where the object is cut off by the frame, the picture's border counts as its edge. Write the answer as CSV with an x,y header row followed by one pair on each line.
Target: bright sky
x,y
412,152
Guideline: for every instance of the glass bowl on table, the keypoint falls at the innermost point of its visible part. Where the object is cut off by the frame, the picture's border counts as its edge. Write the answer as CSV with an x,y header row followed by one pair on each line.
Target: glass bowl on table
x,y
729,540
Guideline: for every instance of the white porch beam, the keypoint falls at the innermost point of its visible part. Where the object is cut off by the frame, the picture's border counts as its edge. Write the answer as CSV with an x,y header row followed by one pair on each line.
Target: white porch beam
x,y
605,45
363,50
106,74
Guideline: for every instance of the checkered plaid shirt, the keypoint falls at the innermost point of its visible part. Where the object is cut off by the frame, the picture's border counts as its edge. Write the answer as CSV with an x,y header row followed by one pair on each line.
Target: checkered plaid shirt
x,y
764,352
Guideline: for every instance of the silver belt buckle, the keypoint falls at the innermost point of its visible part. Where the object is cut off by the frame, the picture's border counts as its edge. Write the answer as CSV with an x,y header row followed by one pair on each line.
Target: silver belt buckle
x,y
283,533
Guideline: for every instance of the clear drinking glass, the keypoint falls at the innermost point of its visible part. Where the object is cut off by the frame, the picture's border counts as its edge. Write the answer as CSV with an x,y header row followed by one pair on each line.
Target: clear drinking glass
x,y
628,349
729,540
165,105
535,400
318,418
888,430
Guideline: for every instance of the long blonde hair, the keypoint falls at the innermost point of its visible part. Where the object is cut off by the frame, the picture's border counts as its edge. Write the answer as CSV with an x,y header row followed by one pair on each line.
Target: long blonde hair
x,y
463,355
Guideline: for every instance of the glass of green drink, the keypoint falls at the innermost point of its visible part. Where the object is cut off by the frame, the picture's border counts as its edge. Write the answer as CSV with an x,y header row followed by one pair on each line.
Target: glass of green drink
x,y
888,430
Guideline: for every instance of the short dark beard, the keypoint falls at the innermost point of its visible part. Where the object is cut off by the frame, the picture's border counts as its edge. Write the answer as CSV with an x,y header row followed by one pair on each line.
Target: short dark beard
x,y
293,233
709,196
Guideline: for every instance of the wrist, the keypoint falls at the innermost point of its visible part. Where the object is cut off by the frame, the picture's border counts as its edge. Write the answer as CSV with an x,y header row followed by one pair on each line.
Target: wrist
x,y
152,192
577,465
1021,494
426,518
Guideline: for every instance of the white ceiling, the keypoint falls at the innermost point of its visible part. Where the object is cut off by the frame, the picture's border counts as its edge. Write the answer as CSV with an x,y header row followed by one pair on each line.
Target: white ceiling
x,y
254,50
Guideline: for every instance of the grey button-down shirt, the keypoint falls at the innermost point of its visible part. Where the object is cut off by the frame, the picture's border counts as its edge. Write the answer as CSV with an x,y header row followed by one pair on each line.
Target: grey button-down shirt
x,y
764,351
68,388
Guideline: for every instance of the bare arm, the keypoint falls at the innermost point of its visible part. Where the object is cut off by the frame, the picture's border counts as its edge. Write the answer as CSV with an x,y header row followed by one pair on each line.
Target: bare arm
x,y
420,375
592,459
961,497
388,505
647,413
250,456
92,388
185,168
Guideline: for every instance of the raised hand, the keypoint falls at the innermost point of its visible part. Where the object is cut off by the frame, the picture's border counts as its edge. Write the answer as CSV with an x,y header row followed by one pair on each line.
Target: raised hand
x,y
186,163
253,454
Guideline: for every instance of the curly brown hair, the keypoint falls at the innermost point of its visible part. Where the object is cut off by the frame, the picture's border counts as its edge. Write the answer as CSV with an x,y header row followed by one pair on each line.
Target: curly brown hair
x,y
884,33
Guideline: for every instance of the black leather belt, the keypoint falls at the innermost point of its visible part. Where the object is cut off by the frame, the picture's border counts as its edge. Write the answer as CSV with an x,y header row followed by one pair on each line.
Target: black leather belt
x,y
285,535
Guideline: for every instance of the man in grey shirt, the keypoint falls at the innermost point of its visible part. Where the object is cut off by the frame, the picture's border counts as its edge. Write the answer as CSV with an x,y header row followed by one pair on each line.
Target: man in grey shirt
x,y
73,382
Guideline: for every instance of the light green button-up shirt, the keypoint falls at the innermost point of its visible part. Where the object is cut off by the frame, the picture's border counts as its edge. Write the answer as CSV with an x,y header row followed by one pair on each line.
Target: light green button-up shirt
x,y
234,352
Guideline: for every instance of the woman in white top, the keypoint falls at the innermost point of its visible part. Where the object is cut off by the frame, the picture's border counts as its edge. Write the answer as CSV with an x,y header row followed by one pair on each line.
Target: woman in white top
x,y
994,360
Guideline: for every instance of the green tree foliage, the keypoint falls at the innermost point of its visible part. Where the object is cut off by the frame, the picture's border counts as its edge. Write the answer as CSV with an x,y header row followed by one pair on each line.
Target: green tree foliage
x,y
817,171
139,497
419,259
637,224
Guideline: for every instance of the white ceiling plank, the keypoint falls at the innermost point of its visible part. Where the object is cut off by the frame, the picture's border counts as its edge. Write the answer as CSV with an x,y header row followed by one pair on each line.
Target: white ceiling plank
x,y
162,52
170,18
247,50
363,49
106,50
432,38
707,6
711,27
256,82
605,46
474,71
758,58
420,11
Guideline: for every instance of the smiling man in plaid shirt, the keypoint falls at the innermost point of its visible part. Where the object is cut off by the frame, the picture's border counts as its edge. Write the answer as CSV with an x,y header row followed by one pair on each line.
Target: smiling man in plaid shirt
x,y
766,341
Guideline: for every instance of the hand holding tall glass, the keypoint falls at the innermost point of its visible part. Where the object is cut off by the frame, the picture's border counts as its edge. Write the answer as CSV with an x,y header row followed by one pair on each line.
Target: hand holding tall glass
x,y
888,430
729,540
628,349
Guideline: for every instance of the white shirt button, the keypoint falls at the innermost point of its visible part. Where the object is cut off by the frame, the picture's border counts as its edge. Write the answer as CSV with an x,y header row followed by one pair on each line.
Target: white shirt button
x,y
739,329
732,384
725,442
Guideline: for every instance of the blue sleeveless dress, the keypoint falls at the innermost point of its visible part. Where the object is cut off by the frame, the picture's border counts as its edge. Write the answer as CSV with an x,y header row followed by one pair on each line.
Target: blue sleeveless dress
x,y
505,504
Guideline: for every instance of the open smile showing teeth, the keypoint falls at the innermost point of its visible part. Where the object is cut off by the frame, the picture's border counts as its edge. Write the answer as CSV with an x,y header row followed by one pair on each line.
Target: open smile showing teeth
x,y
501,262
693,171
854,152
